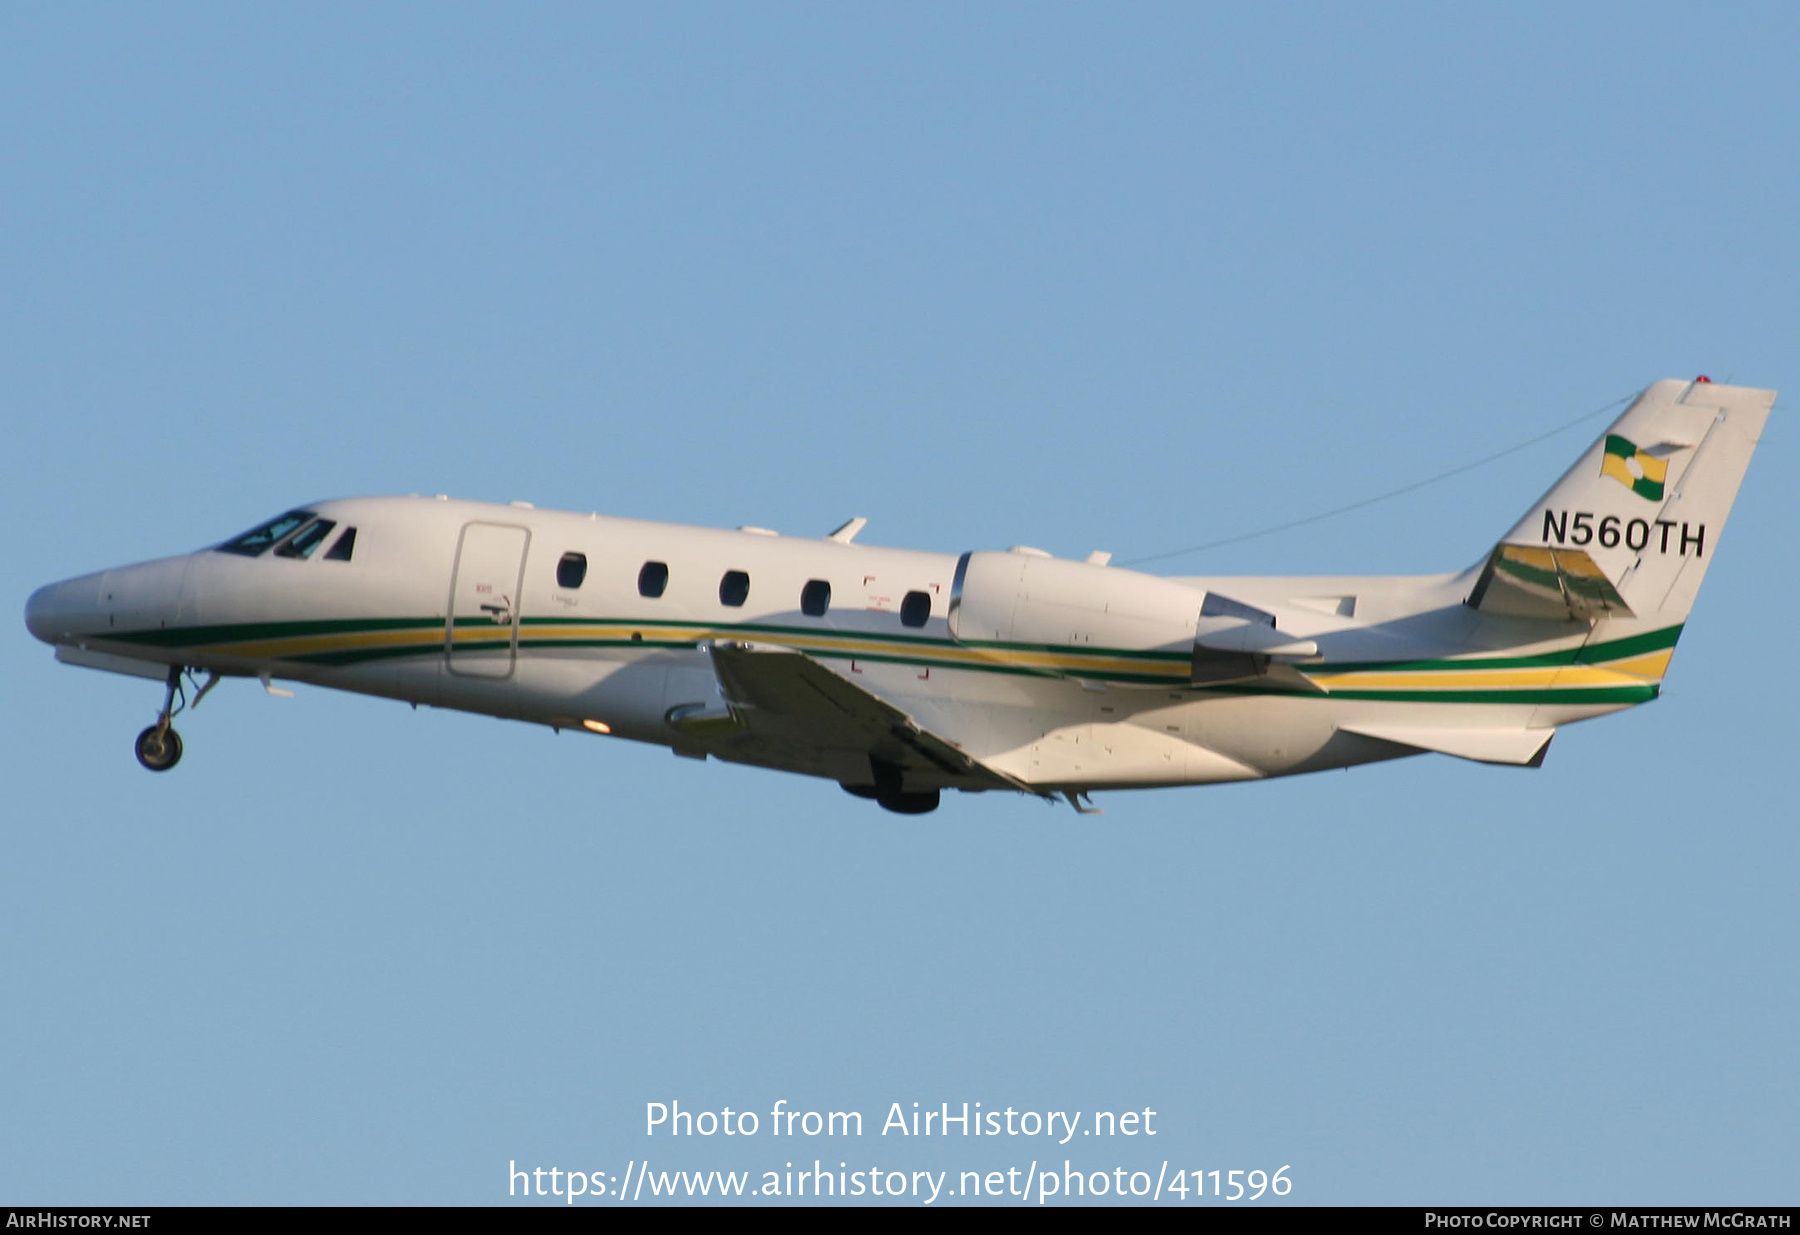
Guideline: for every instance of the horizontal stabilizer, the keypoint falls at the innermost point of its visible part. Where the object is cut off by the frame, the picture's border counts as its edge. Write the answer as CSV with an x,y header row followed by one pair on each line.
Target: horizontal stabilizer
x,y
1519,747
1529,581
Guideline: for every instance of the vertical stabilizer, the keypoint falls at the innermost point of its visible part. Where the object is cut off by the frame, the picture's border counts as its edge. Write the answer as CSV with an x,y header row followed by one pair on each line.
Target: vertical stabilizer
x,y
1647,503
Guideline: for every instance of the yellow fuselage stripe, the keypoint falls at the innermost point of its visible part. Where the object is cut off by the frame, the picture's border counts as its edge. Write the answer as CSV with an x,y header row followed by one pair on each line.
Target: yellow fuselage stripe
x,y
1629,671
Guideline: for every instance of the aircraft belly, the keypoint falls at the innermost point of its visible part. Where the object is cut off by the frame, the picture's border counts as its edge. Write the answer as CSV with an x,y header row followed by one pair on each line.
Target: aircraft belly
x,y
843,766
551,687
414,681
1278,736
1117,756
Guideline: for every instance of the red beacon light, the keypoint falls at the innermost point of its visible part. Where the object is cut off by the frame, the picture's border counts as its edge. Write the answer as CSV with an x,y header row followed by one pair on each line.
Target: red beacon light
x,y
1704,378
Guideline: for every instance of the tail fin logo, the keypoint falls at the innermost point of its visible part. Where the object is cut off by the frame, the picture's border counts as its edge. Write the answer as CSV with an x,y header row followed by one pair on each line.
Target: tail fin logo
x,y
1637,470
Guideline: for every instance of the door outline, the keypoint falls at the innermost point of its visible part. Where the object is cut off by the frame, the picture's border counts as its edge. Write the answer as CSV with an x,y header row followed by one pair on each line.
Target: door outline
x,y
482,554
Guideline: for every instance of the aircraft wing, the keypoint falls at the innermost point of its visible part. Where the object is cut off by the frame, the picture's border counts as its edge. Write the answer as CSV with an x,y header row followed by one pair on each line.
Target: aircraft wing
x,y
780,696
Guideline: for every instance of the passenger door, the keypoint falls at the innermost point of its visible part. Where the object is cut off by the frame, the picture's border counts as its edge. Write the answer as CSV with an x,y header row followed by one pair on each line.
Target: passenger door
x,y
483,635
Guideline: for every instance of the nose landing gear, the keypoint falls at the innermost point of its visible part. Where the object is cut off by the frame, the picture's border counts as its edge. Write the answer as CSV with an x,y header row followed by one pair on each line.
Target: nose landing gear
x,y
159,746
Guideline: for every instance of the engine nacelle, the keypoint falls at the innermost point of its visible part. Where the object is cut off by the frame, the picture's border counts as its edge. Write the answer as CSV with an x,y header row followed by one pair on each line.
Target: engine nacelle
x,y
1023,602
1021,598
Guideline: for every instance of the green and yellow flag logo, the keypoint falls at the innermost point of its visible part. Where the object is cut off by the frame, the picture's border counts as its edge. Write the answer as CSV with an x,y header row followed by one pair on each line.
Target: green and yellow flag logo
x,y
1631,467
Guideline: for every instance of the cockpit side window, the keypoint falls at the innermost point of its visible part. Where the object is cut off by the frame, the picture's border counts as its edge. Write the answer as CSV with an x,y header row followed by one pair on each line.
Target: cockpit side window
x,y
303,542
258,539
345,546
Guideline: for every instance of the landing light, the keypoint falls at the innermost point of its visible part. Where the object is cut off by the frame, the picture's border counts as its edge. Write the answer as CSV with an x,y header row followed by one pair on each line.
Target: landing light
x,y
596,726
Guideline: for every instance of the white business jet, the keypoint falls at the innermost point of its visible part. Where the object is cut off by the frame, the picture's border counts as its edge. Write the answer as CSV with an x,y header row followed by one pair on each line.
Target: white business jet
x,y
902,674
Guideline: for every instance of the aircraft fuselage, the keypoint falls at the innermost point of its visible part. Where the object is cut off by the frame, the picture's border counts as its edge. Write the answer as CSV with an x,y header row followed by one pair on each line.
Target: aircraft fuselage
x,y
900,673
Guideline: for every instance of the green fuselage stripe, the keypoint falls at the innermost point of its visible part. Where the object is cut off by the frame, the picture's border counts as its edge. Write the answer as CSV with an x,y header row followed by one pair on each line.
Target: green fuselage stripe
x,y
916,650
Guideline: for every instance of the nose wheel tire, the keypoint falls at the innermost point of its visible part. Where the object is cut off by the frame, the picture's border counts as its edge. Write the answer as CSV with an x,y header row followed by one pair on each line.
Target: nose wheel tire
x,y
159,748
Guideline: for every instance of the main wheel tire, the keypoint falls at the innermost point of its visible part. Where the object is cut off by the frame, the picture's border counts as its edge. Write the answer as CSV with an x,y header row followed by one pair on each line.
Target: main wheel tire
x,y
159,748
910,803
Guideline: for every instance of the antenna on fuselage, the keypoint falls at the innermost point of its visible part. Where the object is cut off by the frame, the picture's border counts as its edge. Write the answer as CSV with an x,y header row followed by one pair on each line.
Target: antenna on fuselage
x,y
847,533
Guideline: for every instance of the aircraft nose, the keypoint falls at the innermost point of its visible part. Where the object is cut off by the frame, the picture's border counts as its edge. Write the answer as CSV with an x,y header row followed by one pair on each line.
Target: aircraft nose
x,y
37,612
58,610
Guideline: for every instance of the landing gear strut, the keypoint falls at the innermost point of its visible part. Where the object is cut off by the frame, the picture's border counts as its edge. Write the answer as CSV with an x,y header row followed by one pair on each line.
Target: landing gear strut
x,y
159,746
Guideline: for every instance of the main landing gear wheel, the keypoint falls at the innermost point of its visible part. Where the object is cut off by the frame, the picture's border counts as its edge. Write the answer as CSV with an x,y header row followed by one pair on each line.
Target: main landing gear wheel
x,y
159,748
909,803
918,803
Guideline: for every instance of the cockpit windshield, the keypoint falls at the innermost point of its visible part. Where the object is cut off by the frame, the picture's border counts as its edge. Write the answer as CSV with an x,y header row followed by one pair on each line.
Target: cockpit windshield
x,y
303,542
258,539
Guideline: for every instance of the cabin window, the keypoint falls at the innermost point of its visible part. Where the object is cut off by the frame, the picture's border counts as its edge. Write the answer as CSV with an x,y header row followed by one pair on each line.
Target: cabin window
x,y
303,542
653,578
345,546
734,588
915,609
258,539
815,598
571,570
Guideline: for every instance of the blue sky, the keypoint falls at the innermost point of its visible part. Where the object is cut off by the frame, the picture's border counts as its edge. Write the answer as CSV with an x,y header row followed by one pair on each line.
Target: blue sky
x,y
1125,277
